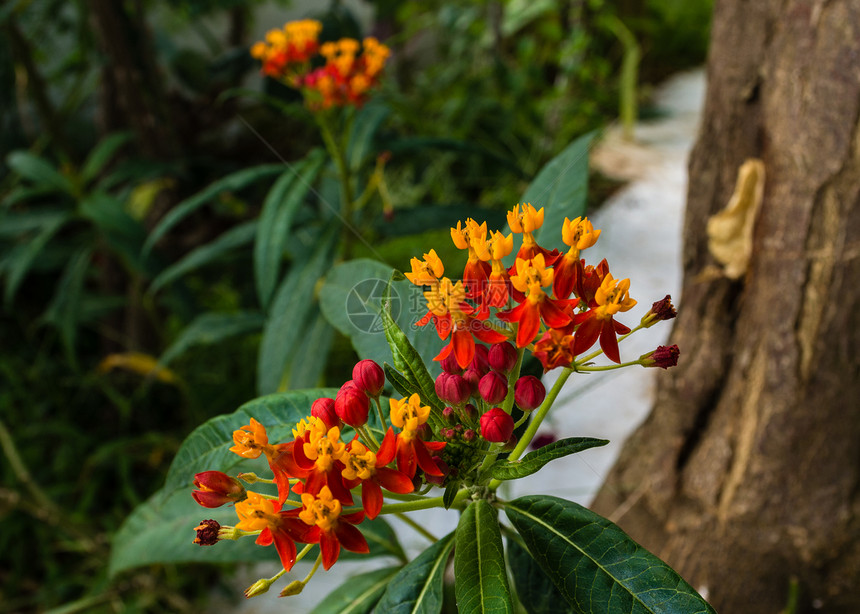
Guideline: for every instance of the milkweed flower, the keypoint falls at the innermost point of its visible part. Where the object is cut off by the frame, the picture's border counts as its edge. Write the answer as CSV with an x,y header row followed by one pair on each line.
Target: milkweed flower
x,y
257,513
326,525
610,298
368,468
215,488
410,450
579,234
526,222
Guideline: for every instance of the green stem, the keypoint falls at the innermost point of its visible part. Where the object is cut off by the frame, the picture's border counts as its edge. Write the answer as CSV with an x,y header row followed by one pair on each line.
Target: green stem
x,y
368,437
540,415
381,415
336,151
424,504
609,367
432,538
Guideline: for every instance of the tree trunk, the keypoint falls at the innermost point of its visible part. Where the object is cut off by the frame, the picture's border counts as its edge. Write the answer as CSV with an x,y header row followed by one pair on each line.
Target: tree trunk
x,y
746,475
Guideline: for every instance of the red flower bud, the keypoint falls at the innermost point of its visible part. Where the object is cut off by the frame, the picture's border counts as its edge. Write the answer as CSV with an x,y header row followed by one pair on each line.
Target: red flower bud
x,y
473,378
479,361
368,376
470,411
449,414
493,387
452,388
207,532
325,411
663,357
351,404
541,440
529,392
216,489
497,425
502,357
449,364
469,435
661,310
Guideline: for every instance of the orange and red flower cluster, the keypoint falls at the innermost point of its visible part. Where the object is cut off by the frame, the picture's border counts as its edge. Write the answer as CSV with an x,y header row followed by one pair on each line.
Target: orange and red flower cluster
x,y
350,69
551,303
323,470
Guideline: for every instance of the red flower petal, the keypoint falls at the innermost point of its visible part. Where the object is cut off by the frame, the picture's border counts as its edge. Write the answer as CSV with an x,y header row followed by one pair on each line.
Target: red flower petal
x,y
286,548
552,315
351,538
371,498
464,347
529,325
394,481
386,451
330,548
427,464
586,335
609,342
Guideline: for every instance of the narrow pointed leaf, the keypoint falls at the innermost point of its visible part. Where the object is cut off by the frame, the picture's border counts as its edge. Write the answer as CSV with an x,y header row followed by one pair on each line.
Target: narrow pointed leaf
x,y
595,565
358,594
38,170
24,254
307,362
534,461
535,591
417,588
209,328
206,254
276,219
364,129
64,312
234,181
291,310
450,494
481,582
102,153
562,187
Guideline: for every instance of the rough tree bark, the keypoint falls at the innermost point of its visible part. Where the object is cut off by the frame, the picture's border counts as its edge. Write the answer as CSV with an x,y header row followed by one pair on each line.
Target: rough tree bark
x,y
747,472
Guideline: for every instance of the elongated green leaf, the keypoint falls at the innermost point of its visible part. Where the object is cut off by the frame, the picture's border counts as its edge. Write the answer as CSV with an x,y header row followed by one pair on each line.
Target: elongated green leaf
x,y
102,154
235,181
595,565
481,582
38,170
535,591
13,224
364,129
417,588
291,310
209,328
206,254
307,362
358,594
561,187
24,254
534,461
123,233
65,307
351,300
276,219
208,446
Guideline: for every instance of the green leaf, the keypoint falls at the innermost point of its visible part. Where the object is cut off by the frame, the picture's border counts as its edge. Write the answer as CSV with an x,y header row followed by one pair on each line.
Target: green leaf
x,y
421,218
13,224
209,328
595,565
64,310
276,219
364,129
417,588
358,594
481,582
208,446
291,309
206,254
351,300
102,154
122,232
534,461
450,494
24,254
561,187
535,591
306,364
232,182
39,171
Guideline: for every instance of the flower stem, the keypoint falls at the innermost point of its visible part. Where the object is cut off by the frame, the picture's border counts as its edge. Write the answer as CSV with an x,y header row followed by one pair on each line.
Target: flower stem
x,y
336,151
417,527
539,415
381,416
424,504
609,367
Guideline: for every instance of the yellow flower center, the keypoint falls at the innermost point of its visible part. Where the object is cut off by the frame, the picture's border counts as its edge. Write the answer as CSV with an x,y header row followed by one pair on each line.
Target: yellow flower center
x,y
495,248
324,447
532,275
612,297
251,440
426,272
360,463
446,298
408,414
526,221
256,513
322,510
579,234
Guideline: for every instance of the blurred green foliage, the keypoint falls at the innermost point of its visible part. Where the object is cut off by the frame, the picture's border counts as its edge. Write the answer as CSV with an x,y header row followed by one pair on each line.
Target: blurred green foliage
x,y
114,116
